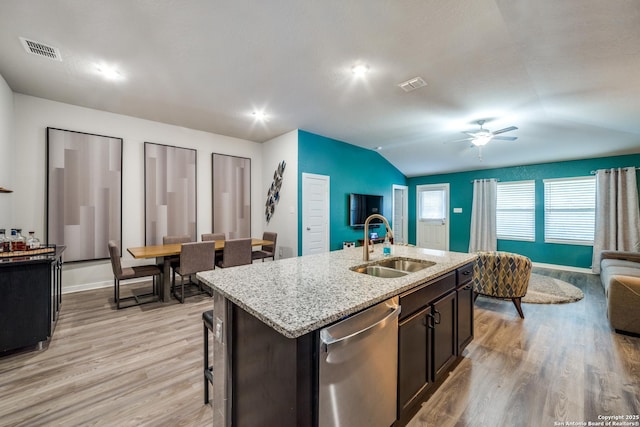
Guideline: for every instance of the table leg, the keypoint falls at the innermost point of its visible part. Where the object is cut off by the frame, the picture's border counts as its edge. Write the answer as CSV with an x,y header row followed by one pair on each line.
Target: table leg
x,y
165,280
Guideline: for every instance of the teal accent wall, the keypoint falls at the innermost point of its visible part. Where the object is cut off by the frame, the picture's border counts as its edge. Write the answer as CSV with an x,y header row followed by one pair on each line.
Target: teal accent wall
x,y
351,170
461,196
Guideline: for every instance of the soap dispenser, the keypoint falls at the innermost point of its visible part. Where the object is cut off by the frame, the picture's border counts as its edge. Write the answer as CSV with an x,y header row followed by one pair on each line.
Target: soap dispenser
x,y
386,246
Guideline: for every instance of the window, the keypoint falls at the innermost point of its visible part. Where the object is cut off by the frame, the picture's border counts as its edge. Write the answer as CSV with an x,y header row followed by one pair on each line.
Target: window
x,y
516,210
569,210
433,205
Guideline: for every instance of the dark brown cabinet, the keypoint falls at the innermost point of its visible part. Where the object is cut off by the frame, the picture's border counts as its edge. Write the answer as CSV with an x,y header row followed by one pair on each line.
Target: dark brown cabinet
x,y
435,326
414,359
464,295
445,351
31,296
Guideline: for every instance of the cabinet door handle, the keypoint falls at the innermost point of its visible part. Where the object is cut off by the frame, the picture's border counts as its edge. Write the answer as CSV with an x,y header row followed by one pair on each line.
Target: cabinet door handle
x,y
466,272
437,321
466,288
429,321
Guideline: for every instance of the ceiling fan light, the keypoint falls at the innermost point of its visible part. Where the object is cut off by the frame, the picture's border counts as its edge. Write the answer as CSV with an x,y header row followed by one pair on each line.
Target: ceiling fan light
x,y
481,140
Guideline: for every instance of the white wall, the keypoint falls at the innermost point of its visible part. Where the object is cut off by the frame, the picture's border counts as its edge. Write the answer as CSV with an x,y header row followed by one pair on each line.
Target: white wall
x,y
6,153
285,218
34,115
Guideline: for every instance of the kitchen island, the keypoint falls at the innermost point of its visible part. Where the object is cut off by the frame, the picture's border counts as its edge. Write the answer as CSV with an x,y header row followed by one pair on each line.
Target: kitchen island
x,y
267,317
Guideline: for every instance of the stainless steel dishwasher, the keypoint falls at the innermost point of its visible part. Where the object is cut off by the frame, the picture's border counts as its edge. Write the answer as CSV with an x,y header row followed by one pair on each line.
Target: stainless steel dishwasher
x,y
358,369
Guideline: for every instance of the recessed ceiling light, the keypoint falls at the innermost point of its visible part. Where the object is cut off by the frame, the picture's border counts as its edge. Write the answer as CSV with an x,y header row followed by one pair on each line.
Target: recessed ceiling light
x,y
260,115
360,70
378,148
109,72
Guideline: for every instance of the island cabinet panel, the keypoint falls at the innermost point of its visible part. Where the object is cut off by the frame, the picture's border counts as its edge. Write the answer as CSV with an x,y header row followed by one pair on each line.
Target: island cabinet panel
x,y
445,348
464,291
414,344
272,376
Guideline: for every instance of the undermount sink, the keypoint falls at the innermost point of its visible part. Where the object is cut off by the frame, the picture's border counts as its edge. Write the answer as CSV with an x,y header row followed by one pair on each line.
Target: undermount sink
x,y
393,267
379,271
405,264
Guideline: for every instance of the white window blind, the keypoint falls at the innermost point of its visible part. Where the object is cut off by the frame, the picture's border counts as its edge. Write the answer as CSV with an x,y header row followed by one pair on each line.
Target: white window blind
x,y
433,205
569,210
516,210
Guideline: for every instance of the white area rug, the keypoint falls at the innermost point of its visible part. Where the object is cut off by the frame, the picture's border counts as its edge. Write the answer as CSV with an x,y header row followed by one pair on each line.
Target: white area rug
x,y
548,290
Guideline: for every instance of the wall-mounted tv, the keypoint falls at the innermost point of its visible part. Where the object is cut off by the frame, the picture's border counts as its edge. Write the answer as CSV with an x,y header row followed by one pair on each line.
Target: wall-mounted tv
x,y
363,205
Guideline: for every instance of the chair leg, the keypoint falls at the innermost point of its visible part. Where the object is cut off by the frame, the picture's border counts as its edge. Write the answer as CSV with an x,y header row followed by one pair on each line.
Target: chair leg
x,y
117,285
475,296
181,290
518,303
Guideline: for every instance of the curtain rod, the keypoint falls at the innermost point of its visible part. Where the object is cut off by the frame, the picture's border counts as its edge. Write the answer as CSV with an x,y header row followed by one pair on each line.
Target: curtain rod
x,y
485,179
607,171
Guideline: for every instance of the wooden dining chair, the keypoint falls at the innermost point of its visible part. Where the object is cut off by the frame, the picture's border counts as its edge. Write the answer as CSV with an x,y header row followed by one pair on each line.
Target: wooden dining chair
x,y
125,273
267,251
194,258
236,252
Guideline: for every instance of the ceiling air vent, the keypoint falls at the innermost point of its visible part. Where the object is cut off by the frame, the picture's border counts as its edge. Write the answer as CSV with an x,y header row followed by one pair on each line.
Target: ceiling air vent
x,y
412,84
41,49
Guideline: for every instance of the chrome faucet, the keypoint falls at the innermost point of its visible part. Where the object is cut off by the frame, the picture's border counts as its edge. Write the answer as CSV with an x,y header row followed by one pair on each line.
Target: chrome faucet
x,y
366,233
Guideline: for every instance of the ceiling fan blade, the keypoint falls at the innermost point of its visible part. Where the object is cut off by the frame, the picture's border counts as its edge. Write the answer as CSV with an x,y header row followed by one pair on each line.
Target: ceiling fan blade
x,y
509,129
505,138
471,134
457,140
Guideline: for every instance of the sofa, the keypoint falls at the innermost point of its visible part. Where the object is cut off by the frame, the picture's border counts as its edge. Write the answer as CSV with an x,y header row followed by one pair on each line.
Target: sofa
x,y
620,277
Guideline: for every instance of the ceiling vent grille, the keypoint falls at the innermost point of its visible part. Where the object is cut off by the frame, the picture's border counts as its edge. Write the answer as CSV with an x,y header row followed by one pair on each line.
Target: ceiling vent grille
x,y
41,49
412,84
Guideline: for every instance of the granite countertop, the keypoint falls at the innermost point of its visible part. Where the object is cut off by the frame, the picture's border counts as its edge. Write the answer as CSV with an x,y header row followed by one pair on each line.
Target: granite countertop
x,y
299,295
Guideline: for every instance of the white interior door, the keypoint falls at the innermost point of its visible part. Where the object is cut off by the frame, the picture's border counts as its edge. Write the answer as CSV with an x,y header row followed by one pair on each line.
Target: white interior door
x,y
432,228
400,209
315,214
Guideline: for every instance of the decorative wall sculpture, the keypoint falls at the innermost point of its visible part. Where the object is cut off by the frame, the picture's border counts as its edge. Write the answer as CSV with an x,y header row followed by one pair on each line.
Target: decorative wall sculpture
x,y
84,193
170,192
231,196
273,195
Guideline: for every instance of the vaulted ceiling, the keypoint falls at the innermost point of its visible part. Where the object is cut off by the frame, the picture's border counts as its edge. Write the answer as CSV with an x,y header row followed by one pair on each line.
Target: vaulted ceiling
x,y
566,73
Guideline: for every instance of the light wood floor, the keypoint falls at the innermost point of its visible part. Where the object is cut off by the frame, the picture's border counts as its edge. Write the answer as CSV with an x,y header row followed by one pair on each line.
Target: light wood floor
x,y
142,366
561,363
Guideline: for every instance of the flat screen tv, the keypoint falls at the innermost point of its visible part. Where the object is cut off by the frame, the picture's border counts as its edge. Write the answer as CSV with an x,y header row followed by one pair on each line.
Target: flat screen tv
x,y
363,205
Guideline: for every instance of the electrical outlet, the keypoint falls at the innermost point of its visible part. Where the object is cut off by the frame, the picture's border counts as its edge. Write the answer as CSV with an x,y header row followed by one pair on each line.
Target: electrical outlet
x,y
218,330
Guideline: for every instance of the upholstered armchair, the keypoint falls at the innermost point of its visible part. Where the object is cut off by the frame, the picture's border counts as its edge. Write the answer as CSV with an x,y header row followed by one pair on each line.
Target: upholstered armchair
x,y
502,275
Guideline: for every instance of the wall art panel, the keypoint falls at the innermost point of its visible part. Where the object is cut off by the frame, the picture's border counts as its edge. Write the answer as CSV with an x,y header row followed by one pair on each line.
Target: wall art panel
x,y
231,196
170,192
84,193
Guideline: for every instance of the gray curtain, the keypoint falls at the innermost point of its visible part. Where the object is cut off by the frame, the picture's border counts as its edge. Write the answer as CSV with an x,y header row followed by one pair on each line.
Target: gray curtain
x,y
617,224
483,216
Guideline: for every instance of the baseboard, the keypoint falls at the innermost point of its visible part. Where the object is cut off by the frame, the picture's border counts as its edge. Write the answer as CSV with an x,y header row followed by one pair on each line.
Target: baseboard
x,y
563,268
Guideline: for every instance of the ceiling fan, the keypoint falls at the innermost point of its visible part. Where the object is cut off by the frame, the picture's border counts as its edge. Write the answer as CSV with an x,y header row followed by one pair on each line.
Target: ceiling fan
x,y
483,136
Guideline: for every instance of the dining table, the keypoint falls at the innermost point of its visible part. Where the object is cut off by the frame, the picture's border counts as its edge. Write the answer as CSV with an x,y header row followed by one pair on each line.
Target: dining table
x,y
165,253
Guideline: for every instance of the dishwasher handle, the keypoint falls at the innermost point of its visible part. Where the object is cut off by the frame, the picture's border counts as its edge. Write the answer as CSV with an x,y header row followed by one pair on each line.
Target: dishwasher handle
x,y
329,341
